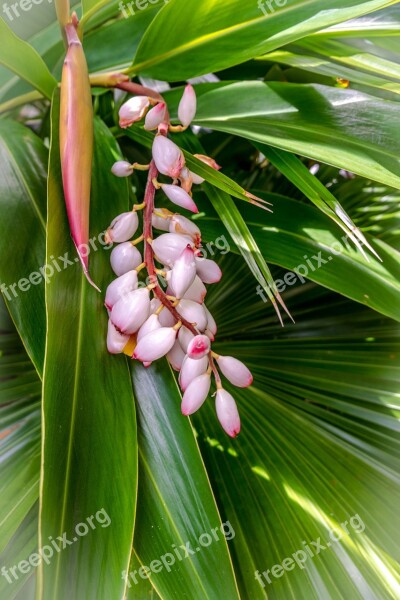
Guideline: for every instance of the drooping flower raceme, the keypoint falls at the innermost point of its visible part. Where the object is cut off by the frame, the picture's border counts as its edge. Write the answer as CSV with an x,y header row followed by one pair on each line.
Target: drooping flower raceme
x,y
146,321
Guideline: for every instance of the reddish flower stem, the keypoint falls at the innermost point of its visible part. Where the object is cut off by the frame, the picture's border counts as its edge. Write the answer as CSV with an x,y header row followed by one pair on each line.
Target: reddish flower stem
x,y
139,90
148,250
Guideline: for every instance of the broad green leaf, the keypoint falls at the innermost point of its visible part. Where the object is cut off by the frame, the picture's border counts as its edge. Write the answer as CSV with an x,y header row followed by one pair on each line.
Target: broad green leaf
x,y
290,166
384,22
90,445
23,159
296,232
190,38
139,588
344,54
20,547
175,503
319,443
95,12
100,48
311,120
245,242
21,58
369,83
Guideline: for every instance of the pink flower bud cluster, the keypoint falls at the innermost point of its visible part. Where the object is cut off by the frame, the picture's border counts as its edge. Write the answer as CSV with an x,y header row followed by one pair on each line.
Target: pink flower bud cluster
x,y
145,322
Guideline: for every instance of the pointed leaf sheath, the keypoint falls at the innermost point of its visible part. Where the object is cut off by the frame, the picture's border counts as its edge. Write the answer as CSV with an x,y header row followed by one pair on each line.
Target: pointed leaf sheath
x,y
76,142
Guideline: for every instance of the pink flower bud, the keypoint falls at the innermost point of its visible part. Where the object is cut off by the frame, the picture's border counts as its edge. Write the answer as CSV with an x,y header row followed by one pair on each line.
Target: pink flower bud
x,y
120,287
169,246
235,371
176,356
122,168
191,369
166,318
116,342
178,196
155,344
124,258
155,117
168,157
197,291
209,334
196,393
185,337
227,413
211,324
186,180
129,313
154,304
160,222
123,228
180,224
198,347
133,110
196,179
208,161
208,270
193,312
183,272
151,324
187,106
